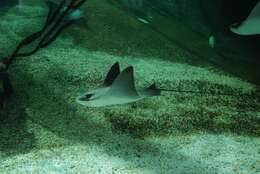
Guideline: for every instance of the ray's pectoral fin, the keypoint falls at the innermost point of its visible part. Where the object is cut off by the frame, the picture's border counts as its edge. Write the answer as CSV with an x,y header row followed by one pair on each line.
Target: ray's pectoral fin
x,y
112,74
124,84
255,12
118,88
153,90
149,91
250,26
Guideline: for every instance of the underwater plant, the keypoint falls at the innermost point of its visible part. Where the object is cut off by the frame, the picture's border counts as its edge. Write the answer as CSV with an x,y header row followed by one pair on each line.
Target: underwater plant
x,y
60,16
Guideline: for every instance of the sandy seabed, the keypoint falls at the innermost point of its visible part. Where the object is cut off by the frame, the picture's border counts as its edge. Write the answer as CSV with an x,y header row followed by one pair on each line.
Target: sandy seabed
x,y
48,132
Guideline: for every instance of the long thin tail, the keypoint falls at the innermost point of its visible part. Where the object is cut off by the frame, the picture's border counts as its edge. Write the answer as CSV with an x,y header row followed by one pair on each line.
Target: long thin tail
x,y
248,95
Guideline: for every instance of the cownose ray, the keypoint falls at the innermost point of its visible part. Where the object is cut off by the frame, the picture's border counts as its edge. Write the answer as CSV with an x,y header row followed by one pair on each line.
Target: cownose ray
x,y
250,26
118,88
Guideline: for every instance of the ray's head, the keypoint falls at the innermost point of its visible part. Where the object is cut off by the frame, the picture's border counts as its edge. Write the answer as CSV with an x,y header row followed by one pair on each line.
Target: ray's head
x,y
85,97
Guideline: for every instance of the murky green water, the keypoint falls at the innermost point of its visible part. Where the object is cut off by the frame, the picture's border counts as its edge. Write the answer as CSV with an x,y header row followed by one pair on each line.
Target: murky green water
x,y
129,86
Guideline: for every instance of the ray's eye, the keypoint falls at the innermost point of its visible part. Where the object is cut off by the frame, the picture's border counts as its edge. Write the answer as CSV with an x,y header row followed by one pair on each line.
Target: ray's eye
x,y
87,96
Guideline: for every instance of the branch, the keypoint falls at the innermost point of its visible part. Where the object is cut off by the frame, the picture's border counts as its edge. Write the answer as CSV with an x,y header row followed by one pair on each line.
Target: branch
x,y
55,23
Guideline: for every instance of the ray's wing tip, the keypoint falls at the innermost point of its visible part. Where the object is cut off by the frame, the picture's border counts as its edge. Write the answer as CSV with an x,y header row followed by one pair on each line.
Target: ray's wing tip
x,y
112,74
129,69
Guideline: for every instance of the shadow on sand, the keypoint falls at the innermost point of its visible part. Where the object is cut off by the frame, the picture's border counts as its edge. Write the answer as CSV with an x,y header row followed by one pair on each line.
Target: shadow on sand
x,y
55,110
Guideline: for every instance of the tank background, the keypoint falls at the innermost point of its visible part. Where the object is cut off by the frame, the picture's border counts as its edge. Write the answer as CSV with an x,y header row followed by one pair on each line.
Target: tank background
x,y
217,15
32,2
8,2
23,2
